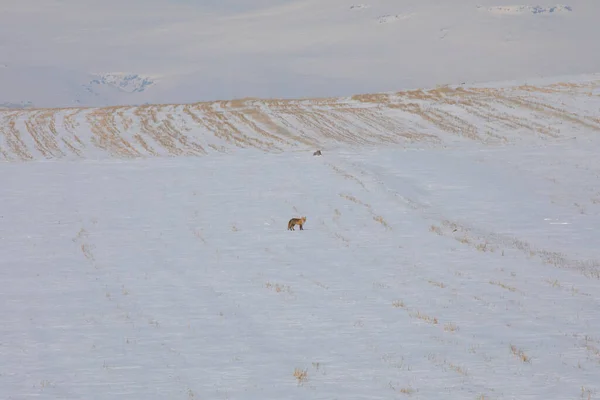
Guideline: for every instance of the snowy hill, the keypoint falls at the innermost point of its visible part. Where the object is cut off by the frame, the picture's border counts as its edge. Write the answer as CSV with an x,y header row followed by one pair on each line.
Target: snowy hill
x,y
84,53
503,113
450,249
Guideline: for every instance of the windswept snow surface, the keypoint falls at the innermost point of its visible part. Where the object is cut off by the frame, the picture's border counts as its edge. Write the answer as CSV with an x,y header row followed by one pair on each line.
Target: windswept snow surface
x,y
52,53
518,10
464,265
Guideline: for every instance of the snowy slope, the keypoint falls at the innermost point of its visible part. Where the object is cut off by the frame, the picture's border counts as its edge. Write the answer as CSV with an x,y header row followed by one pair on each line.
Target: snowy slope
x,y
450,249
82,52
176,278
513,113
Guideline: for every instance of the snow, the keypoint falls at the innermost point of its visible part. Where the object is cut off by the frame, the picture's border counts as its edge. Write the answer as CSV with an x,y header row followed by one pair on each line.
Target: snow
x,y
211,50
359,6
450,248
520,10
386,19
152,153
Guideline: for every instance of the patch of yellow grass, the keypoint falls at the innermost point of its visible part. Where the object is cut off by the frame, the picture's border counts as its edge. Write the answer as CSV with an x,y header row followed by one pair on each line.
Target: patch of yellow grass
x,y
382,221
450,327
426,318
398,304
587,393
484,247
279,288
343,239
520,354
347,175
504,286
436,229
407,391
354,200
458,368
301,375
438,284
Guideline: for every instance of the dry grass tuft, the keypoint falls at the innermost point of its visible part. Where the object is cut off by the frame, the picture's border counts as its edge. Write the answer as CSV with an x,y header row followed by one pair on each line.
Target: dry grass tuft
x,y
436,229
458,368
485,247
87,251
438,284
198,234
301,375
450,327
554,283
345,240
591,348
382,221
464,240
354,200
586,393
279,288
347,175
407,391
398,304
426,318
504,286
520,354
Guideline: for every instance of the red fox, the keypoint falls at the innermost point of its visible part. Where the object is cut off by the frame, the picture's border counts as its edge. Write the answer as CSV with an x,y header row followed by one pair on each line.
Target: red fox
x,y
296,221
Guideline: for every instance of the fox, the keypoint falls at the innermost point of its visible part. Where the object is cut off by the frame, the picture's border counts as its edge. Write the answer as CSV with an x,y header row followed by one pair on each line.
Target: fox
x,y
296,221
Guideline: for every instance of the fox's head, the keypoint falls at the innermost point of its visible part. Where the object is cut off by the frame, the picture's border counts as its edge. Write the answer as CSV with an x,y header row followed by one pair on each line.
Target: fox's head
x,y
303,219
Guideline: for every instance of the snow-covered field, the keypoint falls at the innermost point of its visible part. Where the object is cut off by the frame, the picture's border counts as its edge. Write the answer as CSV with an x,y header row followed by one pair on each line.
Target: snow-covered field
x,y
450,249
103,53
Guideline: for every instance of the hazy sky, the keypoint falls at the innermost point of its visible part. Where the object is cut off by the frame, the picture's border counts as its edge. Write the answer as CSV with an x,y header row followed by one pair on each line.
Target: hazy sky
x,y
289,48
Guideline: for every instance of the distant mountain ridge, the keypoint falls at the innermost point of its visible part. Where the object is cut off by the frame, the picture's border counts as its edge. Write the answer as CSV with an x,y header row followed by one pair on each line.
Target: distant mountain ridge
x,y
130,83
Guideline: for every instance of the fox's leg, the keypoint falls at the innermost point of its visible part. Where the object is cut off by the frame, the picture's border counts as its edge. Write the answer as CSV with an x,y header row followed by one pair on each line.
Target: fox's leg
x,y
301,228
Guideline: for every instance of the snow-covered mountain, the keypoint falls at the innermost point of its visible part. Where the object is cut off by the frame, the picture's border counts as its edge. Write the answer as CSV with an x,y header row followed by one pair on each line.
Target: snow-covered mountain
x,y
70,52
130,83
